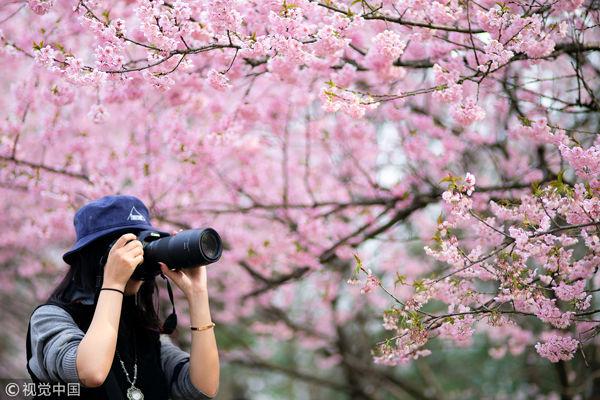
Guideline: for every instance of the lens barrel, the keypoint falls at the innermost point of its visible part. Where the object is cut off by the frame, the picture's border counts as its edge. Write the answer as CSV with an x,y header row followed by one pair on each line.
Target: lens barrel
x,y
186,249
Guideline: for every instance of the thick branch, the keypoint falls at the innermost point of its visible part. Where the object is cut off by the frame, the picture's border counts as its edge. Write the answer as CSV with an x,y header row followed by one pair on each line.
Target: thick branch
x,y
47,168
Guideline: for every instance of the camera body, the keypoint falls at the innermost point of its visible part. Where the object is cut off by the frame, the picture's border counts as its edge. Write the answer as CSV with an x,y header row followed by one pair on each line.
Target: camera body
x,y
186,249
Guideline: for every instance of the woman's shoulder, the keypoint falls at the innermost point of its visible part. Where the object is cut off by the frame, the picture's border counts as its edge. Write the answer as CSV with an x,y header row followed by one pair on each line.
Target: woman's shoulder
x,y
49,308
48,311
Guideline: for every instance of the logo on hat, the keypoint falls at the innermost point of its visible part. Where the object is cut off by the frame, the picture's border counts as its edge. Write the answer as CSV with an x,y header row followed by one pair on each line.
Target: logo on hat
x,y
134,215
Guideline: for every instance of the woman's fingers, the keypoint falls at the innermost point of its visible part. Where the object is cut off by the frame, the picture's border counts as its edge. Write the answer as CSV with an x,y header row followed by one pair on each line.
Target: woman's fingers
x,y
173,274
135,250
122,241
133,244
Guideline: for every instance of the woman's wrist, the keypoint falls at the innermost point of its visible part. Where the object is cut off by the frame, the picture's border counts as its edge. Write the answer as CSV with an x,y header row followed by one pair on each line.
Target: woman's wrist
x,y
113,290
200,294
199,309
112,285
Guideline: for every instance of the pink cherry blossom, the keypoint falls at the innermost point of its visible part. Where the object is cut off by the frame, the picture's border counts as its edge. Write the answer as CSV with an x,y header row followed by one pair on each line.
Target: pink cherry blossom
x,y
556,348
467,112
40,6
453,144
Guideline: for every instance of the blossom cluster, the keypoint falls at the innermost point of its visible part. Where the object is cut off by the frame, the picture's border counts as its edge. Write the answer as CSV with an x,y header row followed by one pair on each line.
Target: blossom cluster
x,y
556,347
529,258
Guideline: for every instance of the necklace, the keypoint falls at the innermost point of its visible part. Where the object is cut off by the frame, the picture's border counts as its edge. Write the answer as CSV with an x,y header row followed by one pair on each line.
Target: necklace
x,y
133,393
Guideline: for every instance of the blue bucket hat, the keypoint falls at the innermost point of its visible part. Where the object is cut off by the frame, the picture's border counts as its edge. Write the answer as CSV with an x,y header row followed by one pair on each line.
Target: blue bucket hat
x,y
107,215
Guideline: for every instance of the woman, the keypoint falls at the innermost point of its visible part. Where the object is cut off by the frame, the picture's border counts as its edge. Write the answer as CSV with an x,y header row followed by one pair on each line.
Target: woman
x,y
100,328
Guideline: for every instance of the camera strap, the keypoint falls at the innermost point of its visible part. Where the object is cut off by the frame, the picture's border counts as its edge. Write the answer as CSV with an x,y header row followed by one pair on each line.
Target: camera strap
x,y
99,280
171,322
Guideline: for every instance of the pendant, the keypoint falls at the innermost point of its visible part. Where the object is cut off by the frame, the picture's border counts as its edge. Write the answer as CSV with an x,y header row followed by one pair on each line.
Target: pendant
x,y
134,393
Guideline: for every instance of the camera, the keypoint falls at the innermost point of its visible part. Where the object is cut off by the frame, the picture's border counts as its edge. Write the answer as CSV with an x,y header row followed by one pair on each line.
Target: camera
x,y
186,249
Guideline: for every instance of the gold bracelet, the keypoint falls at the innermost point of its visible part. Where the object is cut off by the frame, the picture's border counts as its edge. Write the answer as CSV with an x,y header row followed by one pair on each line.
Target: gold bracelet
x,y
211,325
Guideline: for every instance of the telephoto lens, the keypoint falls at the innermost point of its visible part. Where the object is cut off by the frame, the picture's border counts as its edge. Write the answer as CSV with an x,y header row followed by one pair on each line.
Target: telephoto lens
x,y
186,249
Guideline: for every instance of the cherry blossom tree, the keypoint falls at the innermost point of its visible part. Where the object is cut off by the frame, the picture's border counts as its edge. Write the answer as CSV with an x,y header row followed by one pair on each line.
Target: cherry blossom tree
x,y
391,179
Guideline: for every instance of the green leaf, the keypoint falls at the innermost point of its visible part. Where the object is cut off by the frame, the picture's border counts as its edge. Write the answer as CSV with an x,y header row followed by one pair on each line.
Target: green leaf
x,y
419,285
535,189
359,264
560,186
503,256
400,280
285,7
437,237
450,178
391,311
106,15
588,190
554,251
452,181
524,120
560,176
39,46
503,7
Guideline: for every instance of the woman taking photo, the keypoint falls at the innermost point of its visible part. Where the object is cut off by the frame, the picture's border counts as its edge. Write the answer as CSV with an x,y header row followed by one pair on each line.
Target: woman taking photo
x,y
100,327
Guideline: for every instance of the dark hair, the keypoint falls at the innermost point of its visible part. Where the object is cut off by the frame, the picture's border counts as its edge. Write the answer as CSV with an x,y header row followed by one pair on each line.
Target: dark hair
x,y
81,277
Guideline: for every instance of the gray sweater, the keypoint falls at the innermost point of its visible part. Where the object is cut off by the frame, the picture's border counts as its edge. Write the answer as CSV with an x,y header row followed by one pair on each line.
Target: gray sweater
x,y
54,340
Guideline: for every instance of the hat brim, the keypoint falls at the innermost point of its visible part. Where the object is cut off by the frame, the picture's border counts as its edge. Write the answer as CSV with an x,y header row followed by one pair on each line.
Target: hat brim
x,y
84,241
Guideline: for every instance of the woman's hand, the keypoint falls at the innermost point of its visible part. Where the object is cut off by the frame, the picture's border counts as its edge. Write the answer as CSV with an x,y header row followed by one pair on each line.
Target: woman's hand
x,y
190,280
124,257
